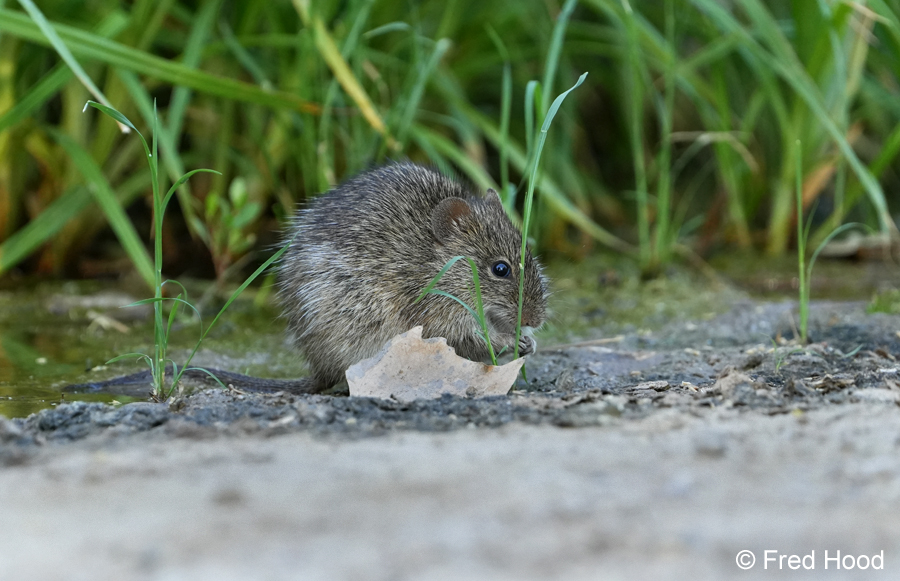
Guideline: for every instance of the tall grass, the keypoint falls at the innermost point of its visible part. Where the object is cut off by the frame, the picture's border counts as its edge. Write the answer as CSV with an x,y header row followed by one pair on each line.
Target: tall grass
x,y
690,116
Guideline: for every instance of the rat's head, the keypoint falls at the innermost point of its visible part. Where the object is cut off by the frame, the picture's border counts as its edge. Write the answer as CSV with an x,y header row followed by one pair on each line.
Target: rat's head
x,y
480,229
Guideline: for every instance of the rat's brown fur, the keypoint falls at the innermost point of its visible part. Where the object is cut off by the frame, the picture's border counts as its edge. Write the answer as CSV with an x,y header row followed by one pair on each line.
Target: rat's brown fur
x,y
360,255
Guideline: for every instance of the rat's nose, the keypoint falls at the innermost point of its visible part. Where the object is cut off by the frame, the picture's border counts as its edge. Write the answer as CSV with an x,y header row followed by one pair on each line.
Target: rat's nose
x,y
529,319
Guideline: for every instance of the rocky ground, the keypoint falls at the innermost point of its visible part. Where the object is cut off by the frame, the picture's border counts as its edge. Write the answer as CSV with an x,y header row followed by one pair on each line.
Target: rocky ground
x,y
639,456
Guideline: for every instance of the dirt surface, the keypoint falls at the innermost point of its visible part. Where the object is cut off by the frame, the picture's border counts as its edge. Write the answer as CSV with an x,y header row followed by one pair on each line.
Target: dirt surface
x,y
646,455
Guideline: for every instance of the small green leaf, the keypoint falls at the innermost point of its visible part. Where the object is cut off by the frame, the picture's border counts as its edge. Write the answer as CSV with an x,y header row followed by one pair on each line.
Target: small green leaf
x,y
246,215
557,103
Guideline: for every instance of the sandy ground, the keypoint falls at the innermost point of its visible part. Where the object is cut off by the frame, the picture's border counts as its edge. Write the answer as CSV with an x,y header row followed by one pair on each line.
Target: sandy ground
x,y
674,495
660,457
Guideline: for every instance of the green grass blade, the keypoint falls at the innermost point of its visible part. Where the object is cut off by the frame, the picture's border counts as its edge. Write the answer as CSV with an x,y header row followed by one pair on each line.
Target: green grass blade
x,y
836,232
61,49
439,292
118,117
415,95
801,242
173,312
106,199
206,371
43,227
155,300
244,57
530,89
889,16
130,356
506,193
484,332
728,166
54,81
39,94
348,47
529,198
437,277
386,28
180,286
479,307
557,103
551,192
478,312
193,51
178,183
446,147
262,268
331,54
143,302
94,47
556,44
172,156
661,246
634,94
890,148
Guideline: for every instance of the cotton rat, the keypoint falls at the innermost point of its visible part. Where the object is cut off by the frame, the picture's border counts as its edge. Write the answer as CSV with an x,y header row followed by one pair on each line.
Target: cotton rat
x,y
360,255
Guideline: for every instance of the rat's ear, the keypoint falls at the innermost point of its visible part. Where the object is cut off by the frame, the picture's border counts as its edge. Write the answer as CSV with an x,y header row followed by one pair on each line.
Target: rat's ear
x,y
493,197
447,218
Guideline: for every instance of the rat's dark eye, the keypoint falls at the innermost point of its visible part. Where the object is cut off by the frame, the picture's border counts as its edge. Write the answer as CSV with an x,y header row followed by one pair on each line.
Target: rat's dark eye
x,y
501,269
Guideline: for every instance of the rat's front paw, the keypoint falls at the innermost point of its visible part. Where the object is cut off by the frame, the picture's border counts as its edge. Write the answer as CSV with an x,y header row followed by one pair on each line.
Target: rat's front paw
x,y
527,345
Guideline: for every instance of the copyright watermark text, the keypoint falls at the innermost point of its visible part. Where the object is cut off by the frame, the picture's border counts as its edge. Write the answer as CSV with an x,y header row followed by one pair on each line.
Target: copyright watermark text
x,y
772,559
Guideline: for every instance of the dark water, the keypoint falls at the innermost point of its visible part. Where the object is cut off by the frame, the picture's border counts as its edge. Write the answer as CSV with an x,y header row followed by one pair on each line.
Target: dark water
x,y
53,335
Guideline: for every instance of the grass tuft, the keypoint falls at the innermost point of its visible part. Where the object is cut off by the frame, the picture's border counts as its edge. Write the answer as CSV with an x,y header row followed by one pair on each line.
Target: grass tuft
x,y
162,326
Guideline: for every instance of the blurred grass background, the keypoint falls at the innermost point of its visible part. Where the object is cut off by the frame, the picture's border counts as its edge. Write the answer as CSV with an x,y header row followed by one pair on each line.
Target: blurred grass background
x,y
680,142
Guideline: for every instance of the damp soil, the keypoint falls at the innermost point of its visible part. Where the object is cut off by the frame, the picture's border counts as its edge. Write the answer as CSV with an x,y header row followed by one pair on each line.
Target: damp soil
x,y
744,359
658,445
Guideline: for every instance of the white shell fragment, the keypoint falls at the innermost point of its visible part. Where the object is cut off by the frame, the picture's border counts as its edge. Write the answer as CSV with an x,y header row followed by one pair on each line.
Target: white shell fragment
x,y
410,368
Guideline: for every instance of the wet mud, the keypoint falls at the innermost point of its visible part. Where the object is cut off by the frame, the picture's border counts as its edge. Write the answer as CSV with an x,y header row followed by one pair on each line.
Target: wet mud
x,y
744,359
